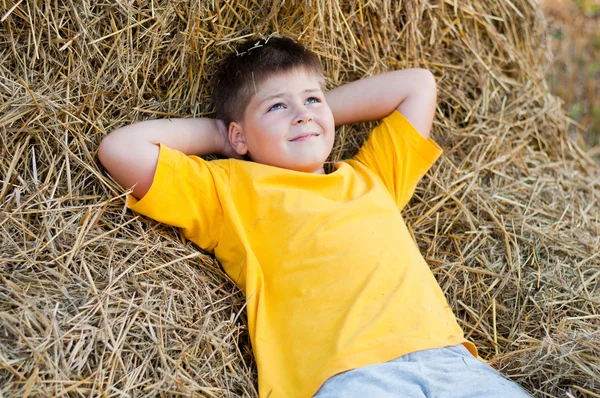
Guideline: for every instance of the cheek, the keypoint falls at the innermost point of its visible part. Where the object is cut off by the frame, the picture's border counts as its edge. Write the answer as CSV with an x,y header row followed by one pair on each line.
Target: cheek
x,y
326,114
265,139
329,122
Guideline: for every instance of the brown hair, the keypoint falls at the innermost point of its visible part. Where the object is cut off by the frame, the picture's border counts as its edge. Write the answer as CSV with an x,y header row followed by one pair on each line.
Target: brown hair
x,y
254,61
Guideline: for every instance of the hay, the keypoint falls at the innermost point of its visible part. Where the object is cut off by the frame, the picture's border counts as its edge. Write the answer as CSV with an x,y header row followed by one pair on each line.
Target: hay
x,y
95,300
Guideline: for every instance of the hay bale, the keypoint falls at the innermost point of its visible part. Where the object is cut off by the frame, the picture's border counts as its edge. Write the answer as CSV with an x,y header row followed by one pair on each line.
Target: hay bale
x,y
97,300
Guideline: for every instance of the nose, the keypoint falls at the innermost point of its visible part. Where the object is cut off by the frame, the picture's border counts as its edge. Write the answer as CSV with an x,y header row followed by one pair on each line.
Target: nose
x,y
303,117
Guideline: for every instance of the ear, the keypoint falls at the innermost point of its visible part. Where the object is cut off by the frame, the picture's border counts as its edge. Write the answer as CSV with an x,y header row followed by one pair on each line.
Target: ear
x,y
236,137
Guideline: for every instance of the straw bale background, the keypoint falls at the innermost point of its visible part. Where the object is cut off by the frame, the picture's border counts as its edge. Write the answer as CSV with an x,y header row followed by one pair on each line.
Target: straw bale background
x,y
575,73
97,301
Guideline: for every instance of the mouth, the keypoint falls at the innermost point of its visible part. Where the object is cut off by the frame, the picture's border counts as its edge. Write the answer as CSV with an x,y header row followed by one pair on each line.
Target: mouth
x,y
304,137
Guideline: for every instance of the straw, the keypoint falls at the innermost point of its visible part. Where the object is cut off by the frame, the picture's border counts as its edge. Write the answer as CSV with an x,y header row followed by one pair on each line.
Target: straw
x,y
98,301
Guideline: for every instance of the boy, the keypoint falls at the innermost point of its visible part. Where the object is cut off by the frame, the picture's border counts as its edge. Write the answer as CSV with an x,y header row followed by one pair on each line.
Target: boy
x,y
340,302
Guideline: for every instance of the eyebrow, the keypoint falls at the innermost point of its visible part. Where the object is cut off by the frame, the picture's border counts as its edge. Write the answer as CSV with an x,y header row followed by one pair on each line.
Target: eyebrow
x,y
279,95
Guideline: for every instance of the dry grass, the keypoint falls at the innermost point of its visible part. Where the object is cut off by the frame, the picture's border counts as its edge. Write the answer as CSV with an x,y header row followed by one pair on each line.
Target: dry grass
x,y
96,301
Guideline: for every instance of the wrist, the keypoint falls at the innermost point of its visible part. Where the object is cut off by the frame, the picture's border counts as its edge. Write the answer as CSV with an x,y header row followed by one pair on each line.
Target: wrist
x,y
202,136
221,137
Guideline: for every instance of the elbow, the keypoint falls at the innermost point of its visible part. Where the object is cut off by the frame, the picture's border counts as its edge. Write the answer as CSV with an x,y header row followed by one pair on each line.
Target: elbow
x,y
418,85
115,158
425,92
419,105
104,150
429,85
110,152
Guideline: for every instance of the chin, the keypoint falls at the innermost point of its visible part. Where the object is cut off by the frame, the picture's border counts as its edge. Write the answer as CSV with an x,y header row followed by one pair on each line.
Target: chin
x,y
309,168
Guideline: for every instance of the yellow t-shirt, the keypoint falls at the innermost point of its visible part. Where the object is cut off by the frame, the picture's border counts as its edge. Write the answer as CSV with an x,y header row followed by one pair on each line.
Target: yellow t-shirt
x,y
332,277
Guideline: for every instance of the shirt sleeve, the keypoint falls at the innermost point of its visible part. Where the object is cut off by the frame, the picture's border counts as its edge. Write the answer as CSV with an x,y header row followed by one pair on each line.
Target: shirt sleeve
x,y
399,155
185,193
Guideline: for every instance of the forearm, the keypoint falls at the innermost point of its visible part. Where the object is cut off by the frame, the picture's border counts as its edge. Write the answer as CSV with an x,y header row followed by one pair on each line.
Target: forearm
x,y
410,91
190,136
130,153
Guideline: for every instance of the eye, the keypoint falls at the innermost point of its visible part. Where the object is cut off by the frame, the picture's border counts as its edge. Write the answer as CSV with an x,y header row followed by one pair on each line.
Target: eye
x,y
276,107
313,100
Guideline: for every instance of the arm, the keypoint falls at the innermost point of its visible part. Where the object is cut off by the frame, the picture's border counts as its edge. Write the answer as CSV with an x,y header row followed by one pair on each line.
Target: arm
x,y
411,91
130,153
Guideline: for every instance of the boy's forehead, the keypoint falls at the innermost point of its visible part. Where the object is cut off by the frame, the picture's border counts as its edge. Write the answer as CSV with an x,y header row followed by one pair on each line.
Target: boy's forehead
x,y
293,79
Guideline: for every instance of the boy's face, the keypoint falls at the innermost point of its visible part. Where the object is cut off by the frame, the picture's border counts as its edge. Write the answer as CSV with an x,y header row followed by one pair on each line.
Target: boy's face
x,y
287,123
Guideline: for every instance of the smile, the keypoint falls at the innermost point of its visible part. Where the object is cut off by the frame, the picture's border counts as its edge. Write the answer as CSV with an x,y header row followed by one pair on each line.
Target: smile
x,y
304,137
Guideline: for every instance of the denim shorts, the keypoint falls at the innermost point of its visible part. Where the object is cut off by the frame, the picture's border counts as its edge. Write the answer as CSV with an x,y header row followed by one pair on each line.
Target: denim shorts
x,y
441,372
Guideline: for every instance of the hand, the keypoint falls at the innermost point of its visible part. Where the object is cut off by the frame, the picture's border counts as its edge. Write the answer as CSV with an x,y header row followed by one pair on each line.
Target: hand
x,y
224,143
